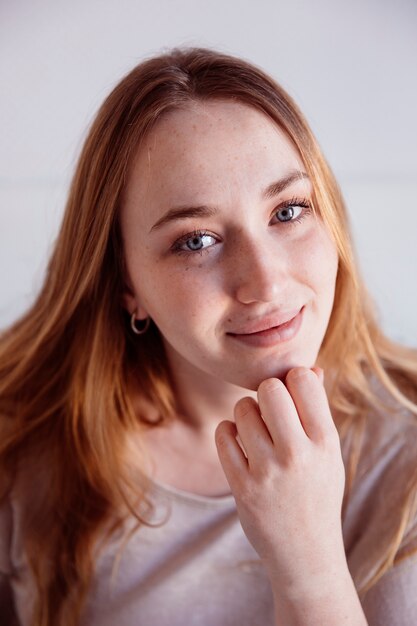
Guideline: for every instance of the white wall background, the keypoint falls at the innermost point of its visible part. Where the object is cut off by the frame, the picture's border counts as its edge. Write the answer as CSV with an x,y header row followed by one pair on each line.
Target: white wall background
x,y
350,65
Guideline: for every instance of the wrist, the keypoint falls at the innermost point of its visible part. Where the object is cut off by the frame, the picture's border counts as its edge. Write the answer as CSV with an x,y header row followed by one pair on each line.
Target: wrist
x,y
313,583
327,602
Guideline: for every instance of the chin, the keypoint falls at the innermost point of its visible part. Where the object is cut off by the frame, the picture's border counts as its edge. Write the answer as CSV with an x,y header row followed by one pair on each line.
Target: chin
x,y
252,379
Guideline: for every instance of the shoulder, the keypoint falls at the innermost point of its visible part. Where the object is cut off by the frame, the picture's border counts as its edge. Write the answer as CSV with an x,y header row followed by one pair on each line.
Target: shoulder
x,y
24,493
389,447
387,437
380,519
380,523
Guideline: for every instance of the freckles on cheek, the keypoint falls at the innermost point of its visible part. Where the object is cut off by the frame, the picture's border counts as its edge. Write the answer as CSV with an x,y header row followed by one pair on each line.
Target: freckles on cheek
x,y
196,296
180,292
320,259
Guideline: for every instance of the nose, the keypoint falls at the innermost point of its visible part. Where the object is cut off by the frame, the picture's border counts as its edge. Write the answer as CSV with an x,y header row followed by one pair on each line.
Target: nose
x,y
260,271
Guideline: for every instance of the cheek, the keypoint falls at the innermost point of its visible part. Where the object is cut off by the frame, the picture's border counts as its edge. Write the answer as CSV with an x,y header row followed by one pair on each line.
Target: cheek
x,y
320,261
181,295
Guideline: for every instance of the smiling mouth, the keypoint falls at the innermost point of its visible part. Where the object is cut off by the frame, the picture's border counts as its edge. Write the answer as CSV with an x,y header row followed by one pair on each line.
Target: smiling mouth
x,y
272,335
266,330
268,323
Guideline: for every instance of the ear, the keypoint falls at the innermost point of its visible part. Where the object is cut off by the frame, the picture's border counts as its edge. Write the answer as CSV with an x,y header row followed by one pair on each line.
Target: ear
x,y
130,303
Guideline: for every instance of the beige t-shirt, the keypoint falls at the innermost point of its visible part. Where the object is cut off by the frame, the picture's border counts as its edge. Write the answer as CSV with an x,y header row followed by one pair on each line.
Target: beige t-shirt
x,y
198,568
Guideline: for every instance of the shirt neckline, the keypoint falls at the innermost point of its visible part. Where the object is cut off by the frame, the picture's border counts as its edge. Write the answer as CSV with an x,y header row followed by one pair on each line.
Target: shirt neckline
x,y
192,497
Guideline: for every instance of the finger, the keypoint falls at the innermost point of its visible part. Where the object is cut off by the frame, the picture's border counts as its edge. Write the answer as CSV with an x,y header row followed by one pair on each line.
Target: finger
x,y
320,373
252,430
279,413
232,458
311,401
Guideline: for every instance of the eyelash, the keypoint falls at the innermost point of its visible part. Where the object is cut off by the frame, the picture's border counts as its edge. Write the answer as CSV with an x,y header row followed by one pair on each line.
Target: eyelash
x,y
176,249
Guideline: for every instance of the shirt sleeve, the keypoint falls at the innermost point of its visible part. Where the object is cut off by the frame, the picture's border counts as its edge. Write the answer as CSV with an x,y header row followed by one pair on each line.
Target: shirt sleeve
x,y
387,471
393,600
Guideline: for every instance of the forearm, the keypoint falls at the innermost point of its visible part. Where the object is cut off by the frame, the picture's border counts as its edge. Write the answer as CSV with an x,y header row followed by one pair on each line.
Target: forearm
x,y
335,603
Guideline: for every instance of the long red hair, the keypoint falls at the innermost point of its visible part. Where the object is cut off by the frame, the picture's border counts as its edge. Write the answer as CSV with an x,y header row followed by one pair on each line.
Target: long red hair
x,y
69,365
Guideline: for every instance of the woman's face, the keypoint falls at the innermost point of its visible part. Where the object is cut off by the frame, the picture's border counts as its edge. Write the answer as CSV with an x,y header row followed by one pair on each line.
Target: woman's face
x,y
249,255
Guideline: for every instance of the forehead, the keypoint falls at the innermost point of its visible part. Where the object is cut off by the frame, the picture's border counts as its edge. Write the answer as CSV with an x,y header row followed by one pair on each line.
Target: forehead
x,y
210,148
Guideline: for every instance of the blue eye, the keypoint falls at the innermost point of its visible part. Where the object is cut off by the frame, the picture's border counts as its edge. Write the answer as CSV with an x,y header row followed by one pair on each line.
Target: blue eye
x,y
297,207
290,213
193,242
287,213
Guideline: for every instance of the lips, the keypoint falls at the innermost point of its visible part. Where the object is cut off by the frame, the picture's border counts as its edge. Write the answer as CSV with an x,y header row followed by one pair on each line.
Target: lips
x,y
280,335
267,322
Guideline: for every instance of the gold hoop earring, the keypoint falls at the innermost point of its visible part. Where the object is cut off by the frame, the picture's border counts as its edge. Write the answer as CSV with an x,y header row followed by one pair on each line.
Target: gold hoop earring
x,y
135,329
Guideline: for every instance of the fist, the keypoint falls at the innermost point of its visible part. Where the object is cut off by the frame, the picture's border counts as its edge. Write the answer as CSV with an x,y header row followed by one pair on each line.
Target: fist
x,y
282,459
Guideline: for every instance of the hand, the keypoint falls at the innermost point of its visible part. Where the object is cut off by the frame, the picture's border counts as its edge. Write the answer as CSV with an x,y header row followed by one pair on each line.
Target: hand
x,y
288,482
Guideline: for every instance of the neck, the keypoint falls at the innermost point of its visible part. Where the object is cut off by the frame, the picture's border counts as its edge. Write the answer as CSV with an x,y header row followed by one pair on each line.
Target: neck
x,y
204,400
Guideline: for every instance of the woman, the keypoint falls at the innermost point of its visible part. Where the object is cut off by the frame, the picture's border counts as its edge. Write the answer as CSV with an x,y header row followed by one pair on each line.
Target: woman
x,y
201,420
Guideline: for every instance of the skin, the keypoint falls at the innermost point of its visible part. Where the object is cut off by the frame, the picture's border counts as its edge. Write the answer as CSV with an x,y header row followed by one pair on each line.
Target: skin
x,y
287,473
223,154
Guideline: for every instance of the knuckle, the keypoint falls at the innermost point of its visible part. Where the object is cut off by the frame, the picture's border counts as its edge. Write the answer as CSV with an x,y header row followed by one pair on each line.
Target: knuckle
x,y
332,439
223,434
265,470
221,440
329,435
270,385
243,407
297,373
296,460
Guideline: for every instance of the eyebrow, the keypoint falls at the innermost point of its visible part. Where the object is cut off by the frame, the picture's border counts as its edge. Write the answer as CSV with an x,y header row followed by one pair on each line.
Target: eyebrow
x,y
184,212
